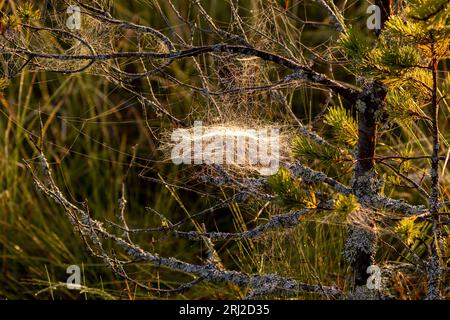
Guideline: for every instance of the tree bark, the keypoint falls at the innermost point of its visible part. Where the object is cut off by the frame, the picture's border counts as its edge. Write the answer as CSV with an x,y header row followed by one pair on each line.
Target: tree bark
x,y
361,242
360,246
386,9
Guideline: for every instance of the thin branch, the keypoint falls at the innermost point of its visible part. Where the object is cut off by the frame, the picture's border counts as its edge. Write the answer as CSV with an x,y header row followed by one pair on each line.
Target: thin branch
x,y
301,72
281,221
266,283
375,201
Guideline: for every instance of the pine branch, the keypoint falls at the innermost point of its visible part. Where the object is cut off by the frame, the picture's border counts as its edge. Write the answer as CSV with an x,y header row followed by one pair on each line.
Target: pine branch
x,y
374,201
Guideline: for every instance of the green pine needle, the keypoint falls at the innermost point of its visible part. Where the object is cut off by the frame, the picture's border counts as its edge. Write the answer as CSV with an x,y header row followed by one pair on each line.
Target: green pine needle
x,y
344,127
309,150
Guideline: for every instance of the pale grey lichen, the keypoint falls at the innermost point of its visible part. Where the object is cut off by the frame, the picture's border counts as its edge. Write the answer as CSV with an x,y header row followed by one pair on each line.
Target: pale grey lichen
x,y
311,176
360,106
358,240
318,77
360,247
361,236
366,188
281,221
364,293
434,273
297,75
